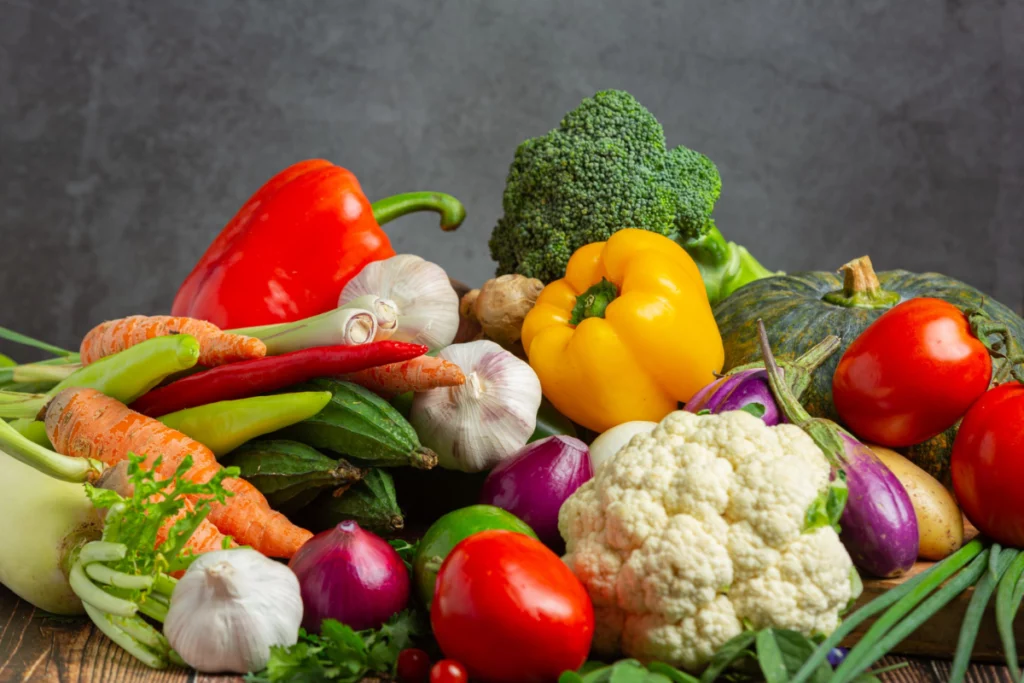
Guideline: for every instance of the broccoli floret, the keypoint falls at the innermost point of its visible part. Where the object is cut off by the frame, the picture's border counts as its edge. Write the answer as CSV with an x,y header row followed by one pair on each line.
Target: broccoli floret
x,y
606,167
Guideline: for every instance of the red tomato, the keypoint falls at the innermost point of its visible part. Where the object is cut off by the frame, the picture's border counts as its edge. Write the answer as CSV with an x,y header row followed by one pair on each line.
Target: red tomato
x,y
911,374
988,464
448,671
413,666
510,610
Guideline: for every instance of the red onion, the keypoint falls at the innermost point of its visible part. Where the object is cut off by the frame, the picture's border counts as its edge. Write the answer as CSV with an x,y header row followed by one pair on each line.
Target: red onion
x,y
747,388
534,482
351,575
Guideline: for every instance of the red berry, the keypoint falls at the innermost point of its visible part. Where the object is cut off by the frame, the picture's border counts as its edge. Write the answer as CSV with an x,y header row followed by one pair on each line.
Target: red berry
x,y
413,666
448,671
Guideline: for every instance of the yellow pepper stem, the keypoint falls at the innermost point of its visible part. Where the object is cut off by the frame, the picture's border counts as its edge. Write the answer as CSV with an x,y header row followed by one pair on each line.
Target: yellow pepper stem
x,y
593,302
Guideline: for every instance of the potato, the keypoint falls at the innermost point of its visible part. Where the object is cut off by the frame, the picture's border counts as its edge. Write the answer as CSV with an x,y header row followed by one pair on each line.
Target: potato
x,y
940,524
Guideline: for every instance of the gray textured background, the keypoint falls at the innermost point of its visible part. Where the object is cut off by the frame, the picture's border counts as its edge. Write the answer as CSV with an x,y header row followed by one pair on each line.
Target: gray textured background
x,y
130,132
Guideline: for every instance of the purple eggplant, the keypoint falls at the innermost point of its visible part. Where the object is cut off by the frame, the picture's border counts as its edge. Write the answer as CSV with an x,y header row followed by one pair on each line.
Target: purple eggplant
x,y
747,387
879,526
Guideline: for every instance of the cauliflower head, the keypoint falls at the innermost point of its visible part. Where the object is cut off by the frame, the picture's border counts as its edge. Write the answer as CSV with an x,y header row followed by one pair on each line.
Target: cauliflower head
x,y
702,528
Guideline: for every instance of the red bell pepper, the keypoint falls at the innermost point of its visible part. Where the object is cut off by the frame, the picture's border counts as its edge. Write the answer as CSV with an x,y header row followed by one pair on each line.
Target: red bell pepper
x,y
289,251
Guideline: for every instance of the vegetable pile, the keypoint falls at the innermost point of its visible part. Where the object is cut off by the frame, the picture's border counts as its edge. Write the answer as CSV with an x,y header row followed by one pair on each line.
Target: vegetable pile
x,y
635,454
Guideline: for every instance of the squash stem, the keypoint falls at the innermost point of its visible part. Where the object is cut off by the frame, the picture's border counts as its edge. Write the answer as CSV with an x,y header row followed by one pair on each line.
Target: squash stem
x,y
861,287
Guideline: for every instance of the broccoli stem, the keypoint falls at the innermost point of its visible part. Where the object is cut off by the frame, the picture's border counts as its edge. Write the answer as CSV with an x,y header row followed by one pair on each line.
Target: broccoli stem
x,y
725,266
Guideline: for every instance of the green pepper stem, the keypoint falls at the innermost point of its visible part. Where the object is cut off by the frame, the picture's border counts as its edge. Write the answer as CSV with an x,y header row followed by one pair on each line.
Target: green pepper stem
x,y
451,210
861,287
724,266
46,461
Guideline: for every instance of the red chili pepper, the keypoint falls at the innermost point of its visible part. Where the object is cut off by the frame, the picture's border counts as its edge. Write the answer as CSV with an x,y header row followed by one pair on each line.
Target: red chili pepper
x,y
271,373
289,251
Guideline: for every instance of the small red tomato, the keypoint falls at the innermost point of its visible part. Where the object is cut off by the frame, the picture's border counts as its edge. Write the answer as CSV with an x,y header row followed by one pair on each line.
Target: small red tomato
x,y
911,374
987,464
510,610
448,671
413,666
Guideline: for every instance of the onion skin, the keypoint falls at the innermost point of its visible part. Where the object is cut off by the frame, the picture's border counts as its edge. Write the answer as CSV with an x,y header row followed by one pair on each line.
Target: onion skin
x,y
352,575
879,526
735,391
535,482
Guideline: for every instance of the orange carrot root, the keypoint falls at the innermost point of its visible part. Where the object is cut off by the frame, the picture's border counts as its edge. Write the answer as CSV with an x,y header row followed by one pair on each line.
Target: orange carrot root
x,y
87,424
418,374
216,347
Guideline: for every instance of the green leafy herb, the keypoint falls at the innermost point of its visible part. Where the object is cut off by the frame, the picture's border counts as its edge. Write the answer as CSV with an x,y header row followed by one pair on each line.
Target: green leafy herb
x,y
341,654
135,521
406,550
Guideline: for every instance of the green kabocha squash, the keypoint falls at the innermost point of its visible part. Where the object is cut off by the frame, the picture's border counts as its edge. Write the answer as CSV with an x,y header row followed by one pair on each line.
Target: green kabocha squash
x,y
800,309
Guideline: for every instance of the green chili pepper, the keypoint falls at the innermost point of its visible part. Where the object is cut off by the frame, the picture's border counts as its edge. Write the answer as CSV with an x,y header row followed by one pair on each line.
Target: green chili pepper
x,y
226,425
129,374
124,376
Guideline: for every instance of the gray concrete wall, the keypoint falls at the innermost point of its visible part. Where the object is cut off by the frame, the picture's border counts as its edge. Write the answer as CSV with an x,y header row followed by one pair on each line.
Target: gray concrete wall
x,y
131,131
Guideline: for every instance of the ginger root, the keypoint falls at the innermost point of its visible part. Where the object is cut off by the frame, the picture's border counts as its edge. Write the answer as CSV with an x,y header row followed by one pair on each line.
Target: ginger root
x,y
500,306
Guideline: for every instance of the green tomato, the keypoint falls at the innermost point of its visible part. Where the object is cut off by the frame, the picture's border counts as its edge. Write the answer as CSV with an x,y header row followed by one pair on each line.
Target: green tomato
x,y
448,531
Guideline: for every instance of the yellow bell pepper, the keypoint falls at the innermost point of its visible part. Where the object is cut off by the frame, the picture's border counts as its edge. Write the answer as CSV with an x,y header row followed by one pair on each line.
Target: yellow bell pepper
x,y
626,335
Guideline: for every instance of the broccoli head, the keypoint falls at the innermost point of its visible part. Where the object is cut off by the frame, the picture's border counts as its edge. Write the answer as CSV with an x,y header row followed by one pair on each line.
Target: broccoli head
x,y
606,167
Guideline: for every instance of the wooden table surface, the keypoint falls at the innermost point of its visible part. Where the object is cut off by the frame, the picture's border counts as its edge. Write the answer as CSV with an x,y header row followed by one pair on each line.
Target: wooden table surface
x,y
36,647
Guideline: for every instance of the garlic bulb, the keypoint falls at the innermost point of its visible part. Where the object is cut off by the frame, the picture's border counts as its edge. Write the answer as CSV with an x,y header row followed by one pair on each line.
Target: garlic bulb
x,y
428,307
229,608
476,425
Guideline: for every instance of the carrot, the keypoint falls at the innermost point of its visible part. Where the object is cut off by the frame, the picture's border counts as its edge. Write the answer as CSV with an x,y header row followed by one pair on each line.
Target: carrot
x,y
216,347
418,374
85,423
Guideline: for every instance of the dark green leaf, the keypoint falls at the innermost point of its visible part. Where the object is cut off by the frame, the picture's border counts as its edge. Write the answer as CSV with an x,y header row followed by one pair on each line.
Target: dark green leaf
x,y
769,657
671,673
755,409
628,671
730,651
570,677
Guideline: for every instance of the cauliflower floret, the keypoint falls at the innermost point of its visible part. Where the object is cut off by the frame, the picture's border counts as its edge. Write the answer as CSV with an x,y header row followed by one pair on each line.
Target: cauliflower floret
x,y
688,643
802,591
692,530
